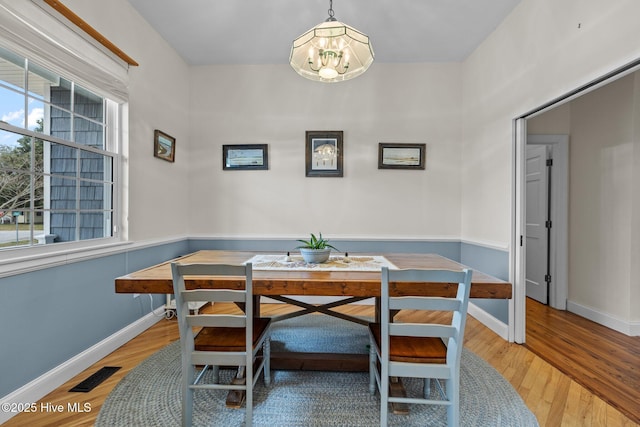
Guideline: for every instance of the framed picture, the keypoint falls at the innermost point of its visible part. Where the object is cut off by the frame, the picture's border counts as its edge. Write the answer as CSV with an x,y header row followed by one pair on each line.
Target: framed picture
x,y
245,157
324,153
401,156
164,146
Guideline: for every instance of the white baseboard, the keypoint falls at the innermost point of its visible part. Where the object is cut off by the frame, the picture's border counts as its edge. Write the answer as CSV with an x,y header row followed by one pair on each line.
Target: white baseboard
x,y
628,328
44,384
500,328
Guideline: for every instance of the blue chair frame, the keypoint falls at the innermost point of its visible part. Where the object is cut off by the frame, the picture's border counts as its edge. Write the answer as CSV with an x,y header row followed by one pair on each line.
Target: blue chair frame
x,y
224,340
386,336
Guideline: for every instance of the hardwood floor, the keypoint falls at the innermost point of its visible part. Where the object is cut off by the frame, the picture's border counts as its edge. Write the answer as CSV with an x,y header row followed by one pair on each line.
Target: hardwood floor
x,y
555,398
602,360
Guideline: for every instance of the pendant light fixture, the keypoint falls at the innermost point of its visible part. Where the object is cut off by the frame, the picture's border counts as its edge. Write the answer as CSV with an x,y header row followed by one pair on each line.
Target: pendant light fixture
x,y
331,51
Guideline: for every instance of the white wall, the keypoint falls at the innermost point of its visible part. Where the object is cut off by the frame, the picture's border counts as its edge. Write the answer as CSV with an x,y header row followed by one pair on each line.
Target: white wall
x,y
159,99
543,50
600,199
634,252
273,105
537,54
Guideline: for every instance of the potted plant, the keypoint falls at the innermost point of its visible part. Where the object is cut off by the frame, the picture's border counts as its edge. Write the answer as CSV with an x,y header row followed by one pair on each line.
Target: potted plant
x,y
315,250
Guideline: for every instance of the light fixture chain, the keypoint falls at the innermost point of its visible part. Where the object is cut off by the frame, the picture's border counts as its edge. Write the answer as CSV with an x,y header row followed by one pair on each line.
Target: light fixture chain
x,y
330,11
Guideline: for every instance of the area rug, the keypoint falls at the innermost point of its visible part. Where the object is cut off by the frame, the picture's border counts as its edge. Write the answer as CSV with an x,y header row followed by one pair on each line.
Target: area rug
x,y
149,395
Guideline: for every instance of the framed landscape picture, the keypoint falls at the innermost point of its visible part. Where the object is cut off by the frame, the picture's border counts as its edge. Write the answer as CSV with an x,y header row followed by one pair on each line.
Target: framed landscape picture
x,y
245,157
401,156
164,146
324,155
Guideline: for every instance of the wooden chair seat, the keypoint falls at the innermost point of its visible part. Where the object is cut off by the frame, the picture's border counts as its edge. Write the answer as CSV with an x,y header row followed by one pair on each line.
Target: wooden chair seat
x,y
412,349
229,339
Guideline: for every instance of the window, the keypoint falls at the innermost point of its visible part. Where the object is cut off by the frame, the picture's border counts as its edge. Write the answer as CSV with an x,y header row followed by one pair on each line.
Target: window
x,y
58,152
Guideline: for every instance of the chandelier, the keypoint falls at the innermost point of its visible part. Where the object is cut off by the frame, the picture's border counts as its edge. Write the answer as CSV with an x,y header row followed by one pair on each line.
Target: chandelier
x,y
331,51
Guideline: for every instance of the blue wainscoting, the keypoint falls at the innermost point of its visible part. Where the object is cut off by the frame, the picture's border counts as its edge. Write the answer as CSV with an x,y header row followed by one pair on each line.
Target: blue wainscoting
x,y
48,316
491,261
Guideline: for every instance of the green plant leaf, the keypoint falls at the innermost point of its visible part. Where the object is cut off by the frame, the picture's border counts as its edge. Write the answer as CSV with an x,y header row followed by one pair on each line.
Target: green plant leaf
x,y
315,242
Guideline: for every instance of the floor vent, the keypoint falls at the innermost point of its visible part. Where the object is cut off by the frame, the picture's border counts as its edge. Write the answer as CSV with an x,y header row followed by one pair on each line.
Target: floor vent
x,y
95,379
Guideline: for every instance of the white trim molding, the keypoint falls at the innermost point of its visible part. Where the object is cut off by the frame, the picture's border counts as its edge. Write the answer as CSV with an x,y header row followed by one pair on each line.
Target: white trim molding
x,y
628,328
485,244
49,381
47,256
356,237
500,328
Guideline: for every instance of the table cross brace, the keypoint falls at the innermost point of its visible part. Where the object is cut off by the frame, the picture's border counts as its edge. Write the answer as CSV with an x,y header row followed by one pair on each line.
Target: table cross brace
x,y
323,308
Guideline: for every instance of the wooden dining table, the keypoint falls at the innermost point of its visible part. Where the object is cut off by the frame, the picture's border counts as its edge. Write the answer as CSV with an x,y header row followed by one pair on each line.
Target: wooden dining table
x,y
348,285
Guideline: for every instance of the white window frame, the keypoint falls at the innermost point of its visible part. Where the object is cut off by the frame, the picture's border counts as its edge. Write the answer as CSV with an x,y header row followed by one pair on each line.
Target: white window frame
x,y
28,30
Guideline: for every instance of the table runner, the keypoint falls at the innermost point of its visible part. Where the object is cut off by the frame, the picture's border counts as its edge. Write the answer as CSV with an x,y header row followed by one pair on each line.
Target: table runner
x,y
335,263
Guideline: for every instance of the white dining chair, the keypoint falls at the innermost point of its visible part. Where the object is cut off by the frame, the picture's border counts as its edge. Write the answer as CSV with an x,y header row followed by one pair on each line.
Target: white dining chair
x,y
419,350
224,339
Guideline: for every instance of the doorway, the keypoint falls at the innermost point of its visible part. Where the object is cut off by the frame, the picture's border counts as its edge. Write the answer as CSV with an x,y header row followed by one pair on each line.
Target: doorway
x,y
538,219
547,213
585,243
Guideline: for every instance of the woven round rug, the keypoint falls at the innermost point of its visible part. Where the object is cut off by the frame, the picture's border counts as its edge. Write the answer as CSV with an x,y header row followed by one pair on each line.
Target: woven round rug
x,y
150,394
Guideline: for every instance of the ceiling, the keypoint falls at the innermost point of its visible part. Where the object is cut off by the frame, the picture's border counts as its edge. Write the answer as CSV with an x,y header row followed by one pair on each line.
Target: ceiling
x,y
261,31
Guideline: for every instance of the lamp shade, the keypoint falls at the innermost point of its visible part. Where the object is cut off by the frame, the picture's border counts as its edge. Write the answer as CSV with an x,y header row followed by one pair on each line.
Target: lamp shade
x,y
331,52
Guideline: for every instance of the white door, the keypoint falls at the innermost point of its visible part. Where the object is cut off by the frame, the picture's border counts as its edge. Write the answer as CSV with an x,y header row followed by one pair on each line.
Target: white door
x,y
537,209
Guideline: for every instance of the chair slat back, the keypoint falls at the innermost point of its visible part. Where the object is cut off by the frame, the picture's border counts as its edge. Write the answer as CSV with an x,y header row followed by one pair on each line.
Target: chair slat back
x,y
422,330
215,295
418,303
204,269
217,320
228,358
426,276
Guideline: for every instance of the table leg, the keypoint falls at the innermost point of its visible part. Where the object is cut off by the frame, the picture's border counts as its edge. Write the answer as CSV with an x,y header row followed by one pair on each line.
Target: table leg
x,y
256,306
396,389
235,398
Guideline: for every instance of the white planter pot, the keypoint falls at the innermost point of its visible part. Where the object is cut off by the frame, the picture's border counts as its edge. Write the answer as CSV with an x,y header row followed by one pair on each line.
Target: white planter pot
x,y
315,256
